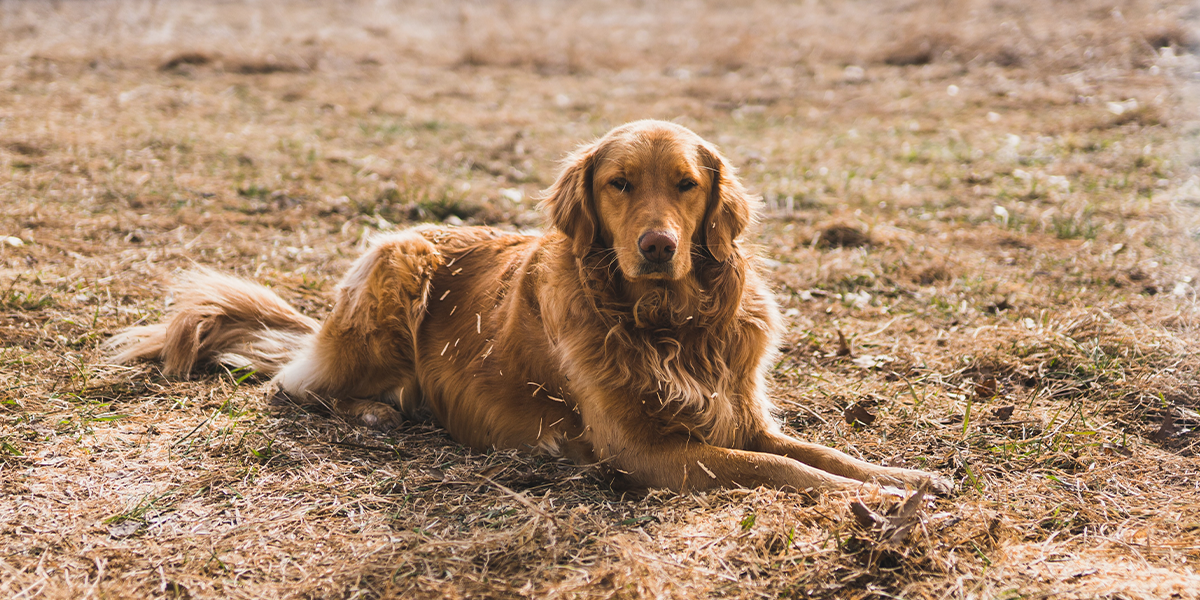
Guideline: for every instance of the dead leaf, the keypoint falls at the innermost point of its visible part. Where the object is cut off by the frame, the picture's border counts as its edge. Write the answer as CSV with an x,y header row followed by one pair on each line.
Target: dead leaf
x,y
124,529
858,413
863,515
986,388
1168,429
907,517
899,522
1003,413
843,345
492,471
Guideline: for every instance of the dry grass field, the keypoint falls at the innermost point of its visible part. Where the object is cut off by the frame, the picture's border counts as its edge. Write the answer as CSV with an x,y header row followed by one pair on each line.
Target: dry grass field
x,y
983,218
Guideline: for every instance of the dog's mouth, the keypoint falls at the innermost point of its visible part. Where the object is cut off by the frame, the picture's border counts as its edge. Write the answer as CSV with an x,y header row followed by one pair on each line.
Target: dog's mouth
x,y
653,270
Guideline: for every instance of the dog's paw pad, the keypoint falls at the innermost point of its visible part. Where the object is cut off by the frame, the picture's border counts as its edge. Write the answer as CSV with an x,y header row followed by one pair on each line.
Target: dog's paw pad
x,y
383,418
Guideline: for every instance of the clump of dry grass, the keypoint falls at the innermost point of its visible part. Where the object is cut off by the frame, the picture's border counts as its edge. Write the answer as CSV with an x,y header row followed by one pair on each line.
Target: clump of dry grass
x,y
1001,289
841,235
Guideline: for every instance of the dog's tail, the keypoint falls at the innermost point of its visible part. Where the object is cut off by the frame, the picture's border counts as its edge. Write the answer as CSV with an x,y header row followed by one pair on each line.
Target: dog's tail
x,y
218,319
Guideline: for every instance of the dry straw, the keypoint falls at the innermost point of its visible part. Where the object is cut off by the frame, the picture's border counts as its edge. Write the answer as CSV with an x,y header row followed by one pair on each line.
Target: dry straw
x,y
980,220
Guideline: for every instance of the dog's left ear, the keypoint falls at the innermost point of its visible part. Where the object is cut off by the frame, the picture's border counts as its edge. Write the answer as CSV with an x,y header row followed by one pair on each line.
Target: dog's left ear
x,y
569,201
729,207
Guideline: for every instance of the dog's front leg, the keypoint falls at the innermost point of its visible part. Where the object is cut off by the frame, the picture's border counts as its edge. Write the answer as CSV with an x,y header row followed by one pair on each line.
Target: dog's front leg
x,y
631,440
839,463
690,466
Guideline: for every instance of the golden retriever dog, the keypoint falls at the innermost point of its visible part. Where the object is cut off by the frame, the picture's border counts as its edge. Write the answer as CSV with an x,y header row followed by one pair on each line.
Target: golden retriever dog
x,y
637,333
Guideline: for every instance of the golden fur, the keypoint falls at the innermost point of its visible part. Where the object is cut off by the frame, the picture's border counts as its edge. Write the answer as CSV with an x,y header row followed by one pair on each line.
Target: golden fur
x,y
571,343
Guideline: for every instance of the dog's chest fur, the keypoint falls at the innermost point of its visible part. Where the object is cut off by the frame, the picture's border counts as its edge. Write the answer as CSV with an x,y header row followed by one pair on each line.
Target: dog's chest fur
x,y
522,297
689,368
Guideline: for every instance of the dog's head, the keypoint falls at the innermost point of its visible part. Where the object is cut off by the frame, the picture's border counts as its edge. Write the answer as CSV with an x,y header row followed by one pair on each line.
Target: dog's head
x,y
654,193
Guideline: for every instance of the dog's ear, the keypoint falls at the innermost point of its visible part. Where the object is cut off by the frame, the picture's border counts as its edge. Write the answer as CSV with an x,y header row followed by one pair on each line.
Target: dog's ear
x,y
569,201
729,207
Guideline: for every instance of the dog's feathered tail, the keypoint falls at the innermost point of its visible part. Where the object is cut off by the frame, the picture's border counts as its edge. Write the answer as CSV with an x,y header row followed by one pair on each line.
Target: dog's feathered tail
x,y
218,319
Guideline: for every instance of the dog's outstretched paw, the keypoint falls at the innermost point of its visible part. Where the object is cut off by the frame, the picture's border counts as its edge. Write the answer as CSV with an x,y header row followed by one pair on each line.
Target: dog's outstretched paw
x,y
940,485
912,479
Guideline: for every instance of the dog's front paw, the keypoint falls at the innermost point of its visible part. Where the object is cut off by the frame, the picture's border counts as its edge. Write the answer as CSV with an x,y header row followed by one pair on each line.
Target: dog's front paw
x,y
912,479
376,415
940,485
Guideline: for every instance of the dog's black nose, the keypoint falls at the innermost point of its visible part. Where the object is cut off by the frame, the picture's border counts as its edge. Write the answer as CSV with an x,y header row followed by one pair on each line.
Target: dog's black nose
x,y
657,246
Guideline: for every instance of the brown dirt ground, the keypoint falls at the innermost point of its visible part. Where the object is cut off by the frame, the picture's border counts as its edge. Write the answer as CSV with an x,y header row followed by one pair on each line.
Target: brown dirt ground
x,y
994,205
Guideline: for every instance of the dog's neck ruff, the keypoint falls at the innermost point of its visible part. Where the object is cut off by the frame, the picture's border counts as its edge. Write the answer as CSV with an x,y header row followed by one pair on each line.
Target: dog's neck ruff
x,y
679,333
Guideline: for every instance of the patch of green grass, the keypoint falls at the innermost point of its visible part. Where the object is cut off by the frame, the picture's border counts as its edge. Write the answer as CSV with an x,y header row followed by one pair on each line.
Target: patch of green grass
x,y
1080,225
254,191
9,449
144,505
15,299
19,300
386,129
443,207
747,522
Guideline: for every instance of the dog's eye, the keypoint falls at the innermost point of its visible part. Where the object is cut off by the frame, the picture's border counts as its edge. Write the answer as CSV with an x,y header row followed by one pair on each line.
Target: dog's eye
x,y
686,185
621,184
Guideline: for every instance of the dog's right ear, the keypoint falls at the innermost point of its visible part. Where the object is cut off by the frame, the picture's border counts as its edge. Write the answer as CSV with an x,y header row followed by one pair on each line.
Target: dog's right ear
x,y
570,204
